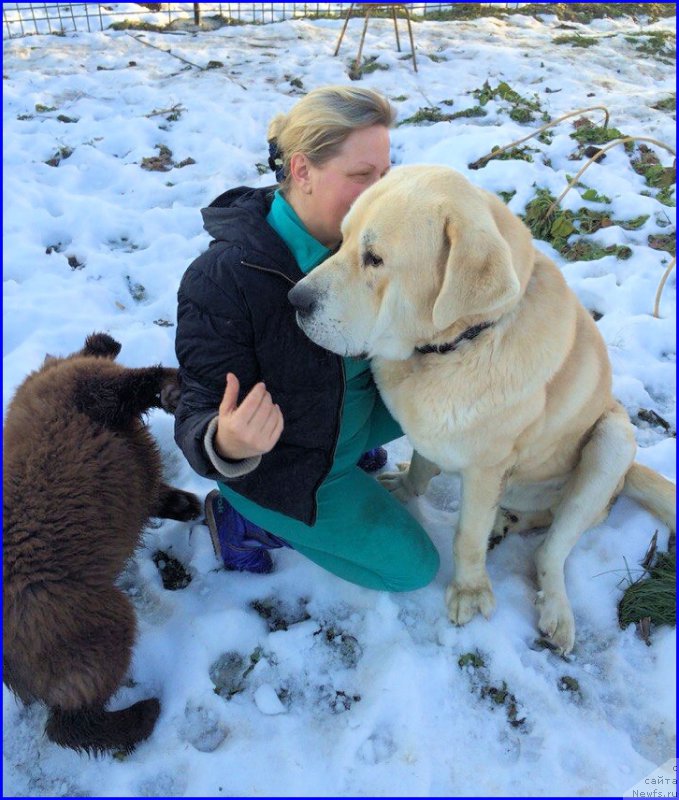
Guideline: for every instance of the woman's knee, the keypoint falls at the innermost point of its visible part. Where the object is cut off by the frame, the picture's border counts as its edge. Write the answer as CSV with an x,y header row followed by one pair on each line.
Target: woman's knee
x,y
420,572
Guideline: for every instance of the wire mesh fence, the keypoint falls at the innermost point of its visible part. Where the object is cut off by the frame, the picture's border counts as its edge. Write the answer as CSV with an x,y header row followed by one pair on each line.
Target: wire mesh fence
x,y
25,19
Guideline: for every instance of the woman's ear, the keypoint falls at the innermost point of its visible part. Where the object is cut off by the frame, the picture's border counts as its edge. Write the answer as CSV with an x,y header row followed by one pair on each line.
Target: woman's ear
x,y
300,172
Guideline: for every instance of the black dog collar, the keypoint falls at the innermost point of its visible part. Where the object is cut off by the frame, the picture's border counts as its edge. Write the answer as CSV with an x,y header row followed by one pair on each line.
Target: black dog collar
x,y
470,333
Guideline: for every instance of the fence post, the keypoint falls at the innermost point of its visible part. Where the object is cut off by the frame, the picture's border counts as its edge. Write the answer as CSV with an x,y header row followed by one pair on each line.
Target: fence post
x,y
196,13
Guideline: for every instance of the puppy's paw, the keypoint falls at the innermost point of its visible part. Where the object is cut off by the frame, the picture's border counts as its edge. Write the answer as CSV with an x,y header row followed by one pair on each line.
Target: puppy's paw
x,y
398,483
556,621
180,505
464,602
171,391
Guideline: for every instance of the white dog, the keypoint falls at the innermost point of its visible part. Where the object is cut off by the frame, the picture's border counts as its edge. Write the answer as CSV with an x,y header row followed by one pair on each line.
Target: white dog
x,y
492,367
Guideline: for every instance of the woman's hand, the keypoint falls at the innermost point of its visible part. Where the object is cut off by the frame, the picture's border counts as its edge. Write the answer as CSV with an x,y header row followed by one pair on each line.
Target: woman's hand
x,y
248,429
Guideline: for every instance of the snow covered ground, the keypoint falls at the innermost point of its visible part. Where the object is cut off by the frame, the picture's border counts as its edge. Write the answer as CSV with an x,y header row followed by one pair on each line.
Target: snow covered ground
x,y
344,691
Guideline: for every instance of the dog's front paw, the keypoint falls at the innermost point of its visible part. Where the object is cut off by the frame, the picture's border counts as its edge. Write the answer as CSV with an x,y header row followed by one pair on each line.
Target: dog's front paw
x,y
398,483
556,621
465,601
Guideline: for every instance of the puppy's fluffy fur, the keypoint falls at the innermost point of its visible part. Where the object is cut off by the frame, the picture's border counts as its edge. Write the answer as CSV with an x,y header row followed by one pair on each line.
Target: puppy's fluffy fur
x,y
82,476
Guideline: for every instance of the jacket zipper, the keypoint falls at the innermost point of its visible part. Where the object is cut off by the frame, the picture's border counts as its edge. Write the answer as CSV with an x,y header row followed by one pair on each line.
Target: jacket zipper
x,y
272,271
338,421
338,425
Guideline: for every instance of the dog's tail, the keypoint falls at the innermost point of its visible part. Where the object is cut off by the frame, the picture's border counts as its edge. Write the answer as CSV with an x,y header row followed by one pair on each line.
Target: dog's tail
x,y
95,731
655,493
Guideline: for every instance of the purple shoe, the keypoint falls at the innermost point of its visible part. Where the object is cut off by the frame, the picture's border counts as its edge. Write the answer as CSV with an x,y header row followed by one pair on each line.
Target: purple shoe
x,y
240,544
373,460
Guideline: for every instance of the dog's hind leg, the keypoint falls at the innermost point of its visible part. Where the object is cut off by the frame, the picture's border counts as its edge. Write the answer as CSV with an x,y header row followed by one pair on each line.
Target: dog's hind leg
x,y
595,481
509,521
176,504
116,400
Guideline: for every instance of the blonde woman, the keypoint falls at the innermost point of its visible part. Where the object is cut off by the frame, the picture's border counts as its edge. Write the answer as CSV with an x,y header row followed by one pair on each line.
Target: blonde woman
x,y
277,421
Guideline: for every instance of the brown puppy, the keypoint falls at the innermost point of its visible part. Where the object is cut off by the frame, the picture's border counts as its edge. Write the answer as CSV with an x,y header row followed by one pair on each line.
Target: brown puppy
x,y
493,369
81,477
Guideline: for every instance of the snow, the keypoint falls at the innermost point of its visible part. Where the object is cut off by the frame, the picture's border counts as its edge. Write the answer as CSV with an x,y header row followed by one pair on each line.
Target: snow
x,y
354,693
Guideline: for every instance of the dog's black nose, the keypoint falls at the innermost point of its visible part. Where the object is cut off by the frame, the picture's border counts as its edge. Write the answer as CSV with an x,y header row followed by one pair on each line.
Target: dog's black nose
x,y
303,299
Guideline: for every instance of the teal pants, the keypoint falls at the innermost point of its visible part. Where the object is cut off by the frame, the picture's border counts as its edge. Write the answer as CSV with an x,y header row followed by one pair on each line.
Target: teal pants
x,y
362,533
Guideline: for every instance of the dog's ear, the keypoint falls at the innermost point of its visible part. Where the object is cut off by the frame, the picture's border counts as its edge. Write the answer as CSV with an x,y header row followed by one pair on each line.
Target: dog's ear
x,y
478,273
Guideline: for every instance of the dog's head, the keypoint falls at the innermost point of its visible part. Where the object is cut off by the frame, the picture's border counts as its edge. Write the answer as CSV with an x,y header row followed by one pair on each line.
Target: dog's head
x,y
423,251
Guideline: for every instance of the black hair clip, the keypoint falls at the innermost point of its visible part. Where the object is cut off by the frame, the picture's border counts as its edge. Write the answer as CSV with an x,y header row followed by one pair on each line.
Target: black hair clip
x,y
276,161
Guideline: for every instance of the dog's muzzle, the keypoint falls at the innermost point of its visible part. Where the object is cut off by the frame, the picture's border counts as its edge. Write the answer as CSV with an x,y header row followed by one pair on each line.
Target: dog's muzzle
x,y
303,299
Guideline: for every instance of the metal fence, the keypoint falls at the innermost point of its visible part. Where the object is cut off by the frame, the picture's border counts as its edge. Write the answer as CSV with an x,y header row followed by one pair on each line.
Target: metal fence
x,y
25,19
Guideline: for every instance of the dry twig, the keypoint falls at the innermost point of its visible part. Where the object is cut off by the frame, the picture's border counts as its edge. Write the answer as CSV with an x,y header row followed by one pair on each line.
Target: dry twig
x,y
538,131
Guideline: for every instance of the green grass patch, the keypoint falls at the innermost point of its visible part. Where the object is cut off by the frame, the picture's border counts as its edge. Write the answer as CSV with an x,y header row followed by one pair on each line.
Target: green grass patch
x,y
586,12
160,163
567,12
667,103
587,133
557,226
474,660
592,196
522,108
515,153
136,25
587,250
576,40
653,595
664,241
499,695
61,155
427,114
647,163
371,64
657,44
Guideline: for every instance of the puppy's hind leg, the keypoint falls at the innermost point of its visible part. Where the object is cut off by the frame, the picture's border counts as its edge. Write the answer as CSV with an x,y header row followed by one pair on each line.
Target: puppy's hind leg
x,y
94,730
86,664
599,475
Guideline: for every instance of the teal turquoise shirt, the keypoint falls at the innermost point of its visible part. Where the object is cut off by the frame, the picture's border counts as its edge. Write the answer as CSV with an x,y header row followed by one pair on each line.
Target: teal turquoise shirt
x,y
360,392
365,420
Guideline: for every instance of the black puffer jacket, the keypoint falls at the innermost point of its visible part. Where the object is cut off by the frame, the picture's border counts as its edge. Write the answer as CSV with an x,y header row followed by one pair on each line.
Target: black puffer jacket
x,y
234,316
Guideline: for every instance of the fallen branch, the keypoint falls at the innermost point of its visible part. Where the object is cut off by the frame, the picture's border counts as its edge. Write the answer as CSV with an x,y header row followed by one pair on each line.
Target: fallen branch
x,y
162,50
177,108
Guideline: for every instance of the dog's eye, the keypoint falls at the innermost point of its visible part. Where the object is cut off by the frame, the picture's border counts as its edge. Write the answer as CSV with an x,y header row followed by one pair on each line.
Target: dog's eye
x,y
371,260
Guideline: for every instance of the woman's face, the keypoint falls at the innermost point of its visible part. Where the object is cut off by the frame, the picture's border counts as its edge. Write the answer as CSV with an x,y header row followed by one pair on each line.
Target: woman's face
x,y
330,189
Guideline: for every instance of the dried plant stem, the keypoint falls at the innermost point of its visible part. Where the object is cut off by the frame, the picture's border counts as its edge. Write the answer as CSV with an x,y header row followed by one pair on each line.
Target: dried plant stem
x,y
598,156
537,131
661,286
163,50
175,108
